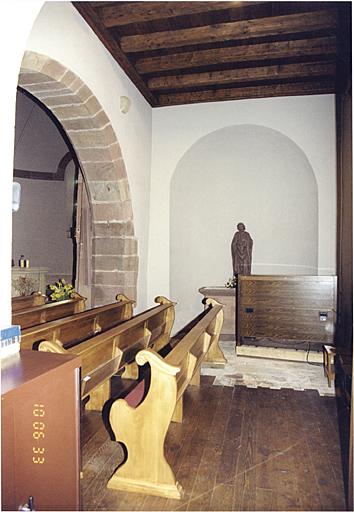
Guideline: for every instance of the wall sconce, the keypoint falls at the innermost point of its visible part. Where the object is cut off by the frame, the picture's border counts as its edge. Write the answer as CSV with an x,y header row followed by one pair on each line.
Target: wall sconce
x,y
16,196
125,104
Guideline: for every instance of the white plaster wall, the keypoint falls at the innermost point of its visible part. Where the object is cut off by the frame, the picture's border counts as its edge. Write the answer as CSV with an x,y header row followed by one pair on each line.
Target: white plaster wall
x,y
19,14
62,34
309,121
240,173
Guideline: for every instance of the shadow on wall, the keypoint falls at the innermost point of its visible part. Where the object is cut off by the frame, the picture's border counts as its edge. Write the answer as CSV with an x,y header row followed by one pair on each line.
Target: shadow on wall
x,y
249,174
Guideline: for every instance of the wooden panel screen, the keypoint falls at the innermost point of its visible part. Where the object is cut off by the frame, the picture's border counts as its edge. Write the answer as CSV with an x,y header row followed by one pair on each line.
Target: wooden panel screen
x,y
289,310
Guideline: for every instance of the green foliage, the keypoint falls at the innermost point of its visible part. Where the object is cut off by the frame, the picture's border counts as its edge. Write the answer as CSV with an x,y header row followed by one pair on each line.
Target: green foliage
x,y
61,290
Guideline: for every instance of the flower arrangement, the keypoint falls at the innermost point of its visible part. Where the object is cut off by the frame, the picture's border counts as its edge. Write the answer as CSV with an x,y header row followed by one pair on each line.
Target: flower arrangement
x,y
231,283
60,290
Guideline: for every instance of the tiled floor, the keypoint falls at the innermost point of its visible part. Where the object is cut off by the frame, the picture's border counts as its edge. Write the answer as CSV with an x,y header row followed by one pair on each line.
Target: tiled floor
x,y
256,372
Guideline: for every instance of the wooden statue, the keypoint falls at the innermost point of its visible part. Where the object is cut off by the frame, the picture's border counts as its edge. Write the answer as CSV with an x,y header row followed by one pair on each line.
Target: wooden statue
x,y
241,250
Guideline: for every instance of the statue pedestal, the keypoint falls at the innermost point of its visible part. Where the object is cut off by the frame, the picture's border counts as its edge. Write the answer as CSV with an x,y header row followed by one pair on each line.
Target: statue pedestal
x,y
225,296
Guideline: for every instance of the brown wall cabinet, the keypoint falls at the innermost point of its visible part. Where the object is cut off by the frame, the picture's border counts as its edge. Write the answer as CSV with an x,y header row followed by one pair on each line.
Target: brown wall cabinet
x,y
40,436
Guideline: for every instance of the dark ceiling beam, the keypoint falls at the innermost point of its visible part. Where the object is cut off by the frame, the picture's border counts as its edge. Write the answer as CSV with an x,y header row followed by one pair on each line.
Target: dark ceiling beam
x,y
142,12
91,18
264,91
239,30
292,71
322,47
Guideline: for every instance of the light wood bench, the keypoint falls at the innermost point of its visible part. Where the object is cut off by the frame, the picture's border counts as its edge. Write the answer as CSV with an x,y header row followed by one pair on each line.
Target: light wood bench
x,y
106,353
27,301
79,327
143,428
42,313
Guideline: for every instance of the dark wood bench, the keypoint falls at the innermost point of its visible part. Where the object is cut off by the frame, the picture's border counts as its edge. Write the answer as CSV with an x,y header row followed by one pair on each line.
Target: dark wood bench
x,y
43,313
81,326
27,301
142,426
105,354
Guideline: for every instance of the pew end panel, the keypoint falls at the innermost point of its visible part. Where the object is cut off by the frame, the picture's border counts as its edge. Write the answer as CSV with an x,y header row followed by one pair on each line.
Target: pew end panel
x,y
146,469
143,429
215,355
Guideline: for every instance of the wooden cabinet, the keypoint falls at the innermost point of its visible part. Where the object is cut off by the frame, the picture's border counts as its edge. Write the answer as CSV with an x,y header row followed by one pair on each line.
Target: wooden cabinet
x,y
40,436
225,296
292,311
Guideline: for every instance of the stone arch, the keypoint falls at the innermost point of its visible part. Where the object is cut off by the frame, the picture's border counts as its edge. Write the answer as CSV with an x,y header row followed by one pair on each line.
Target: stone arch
x,y
114,246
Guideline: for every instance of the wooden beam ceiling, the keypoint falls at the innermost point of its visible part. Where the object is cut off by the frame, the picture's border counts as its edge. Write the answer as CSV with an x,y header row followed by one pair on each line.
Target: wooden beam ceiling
x,y
188,52
239,30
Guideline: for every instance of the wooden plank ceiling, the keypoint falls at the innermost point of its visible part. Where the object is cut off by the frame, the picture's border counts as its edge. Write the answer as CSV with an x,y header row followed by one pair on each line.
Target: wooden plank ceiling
x,y
190,52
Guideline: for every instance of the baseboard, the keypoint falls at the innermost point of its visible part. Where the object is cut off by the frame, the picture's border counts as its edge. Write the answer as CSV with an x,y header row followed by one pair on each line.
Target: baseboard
x,y
286,354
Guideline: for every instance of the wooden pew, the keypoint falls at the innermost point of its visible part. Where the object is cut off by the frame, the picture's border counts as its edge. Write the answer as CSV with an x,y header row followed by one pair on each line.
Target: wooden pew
x,y
81,326
143,428
27,301
106,353
42,313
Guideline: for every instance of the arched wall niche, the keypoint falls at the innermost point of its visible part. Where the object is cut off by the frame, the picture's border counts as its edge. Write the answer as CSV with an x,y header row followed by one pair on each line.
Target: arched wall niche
x,y
244,173
114,246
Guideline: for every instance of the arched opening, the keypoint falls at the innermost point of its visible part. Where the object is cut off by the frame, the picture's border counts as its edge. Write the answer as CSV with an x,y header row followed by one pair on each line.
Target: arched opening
x,y
114,263
47,226
249,174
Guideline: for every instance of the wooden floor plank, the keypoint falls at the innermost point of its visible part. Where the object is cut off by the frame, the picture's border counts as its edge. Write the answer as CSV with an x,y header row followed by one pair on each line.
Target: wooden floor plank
x,y
236,449
305,470
212,454
326,461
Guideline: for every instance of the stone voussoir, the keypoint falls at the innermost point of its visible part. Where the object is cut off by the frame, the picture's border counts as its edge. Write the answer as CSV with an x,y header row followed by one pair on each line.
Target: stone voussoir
x,y
32,79
62,100
115,151
54,69
105,262
45,88
108,229
79,123
119,245
103,171
105,190
130,278
93,105
101,118
112,211
83,92
105,294
77,85
68,78
90,155
109,278
88,138
48,95
34,61
70,111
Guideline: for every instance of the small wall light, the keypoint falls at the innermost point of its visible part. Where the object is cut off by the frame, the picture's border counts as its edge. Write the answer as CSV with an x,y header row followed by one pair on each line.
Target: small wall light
x,y
125,104
16,196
